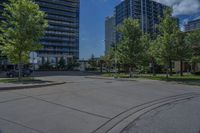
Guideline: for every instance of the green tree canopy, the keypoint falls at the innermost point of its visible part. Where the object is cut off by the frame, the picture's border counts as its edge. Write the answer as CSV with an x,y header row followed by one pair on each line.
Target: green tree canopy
x,y
133,44
93,61
24,24
193,39
109,58
164,45
62,63
21,30
184,49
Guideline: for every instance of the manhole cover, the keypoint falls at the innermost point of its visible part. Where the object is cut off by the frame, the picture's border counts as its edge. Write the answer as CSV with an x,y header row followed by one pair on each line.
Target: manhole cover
x,y
108,82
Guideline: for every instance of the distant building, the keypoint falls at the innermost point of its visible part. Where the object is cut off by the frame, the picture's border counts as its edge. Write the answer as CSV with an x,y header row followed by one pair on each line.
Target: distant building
x,y
192,25
148,12
110,33
61,38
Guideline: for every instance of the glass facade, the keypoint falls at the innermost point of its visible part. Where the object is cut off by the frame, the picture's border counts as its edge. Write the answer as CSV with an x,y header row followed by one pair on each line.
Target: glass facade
x,y
147,11
1,8
62,35
192,25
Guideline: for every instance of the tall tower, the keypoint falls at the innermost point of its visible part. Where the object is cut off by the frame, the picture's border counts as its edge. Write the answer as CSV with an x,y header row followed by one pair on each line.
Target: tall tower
x,y
61,38
110,33
147,11
62,35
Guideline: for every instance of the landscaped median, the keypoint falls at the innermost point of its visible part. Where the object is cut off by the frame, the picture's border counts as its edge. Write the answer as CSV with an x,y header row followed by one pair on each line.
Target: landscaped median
x,y
14,84
187,79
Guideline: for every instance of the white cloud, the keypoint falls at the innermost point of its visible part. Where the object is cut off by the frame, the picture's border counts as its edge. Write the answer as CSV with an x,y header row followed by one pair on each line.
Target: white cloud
x,y
182,7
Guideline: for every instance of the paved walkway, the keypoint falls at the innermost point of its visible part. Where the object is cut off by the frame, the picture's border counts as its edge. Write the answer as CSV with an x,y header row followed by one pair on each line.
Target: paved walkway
x,y
84,105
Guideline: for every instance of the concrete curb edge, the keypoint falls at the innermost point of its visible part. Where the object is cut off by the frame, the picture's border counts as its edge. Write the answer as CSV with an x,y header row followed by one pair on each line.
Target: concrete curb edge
x,y
31,86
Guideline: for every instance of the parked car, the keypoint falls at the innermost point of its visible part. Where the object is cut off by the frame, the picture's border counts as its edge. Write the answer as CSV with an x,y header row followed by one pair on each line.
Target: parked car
x,y
15,73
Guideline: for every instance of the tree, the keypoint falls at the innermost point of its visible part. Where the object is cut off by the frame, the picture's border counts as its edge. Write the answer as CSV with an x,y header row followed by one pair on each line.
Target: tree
x,y
193,39
21,30
72,63
93,62
101,63
194,60
62,63
184,49
153,54
47,65
109,58
131,48
166,40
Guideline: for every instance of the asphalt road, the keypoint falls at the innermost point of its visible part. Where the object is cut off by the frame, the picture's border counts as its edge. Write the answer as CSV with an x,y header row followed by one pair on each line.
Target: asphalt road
x,y
181,117
90,105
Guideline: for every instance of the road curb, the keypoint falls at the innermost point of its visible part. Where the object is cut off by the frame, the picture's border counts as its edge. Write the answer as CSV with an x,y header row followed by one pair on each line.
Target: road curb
x,y
109,78
31,86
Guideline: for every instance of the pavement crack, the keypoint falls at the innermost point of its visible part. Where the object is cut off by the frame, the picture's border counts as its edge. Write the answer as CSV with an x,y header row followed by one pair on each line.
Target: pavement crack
x,y
68,107
16,99
22,125
72,108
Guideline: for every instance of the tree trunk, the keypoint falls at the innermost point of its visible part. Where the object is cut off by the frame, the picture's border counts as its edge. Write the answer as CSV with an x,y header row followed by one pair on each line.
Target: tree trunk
x,y
153,67
167,71
194,67
171,69
19,67
109,69
154,71
19,74
181,67
101,67
130,71
119,66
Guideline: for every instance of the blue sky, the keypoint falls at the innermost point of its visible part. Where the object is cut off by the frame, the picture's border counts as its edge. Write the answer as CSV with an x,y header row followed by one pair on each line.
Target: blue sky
x,y
92,16
93,13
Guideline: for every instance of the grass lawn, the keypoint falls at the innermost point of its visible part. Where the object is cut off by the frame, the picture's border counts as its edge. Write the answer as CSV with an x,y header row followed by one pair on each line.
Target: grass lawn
x,y
187,79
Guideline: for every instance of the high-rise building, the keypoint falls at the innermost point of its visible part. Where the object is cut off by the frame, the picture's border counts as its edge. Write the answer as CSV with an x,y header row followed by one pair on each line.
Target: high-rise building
x,y
110,33
147,12
193,25
61,38
3,59
1,8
